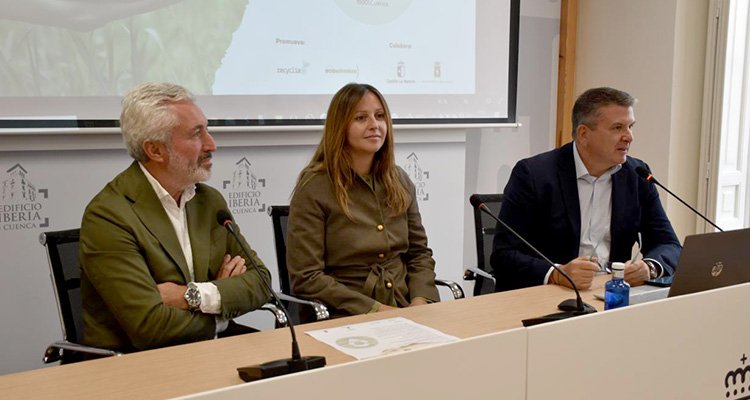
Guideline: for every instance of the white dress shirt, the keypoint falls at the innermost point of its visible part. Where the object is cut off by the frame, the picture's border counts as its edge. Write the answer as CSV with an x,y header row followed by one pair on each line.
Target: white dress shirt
x,y
595,202
210,296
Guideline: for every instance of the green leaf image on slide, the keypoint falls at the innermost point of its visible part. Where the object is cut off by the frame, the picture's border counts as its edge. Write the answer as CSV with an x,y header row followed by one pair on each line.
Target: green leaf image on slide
x,y
54,54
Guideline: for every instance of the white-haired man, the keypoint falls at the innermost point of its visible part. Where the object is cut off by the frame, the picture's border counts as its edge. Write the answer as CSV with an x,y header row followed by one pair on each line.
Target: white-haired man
x,y
157,270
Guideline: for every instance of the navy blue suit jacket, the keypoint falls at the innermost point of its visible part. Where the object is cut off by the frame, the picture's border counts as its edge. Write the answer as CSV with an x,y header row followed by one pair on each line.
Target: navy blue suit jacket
x,y
541,204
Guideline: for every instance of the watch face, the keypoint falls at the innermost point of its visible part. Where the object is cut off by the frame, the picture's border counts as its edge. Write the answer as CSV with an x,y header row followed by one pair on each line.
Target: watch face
x,y
193,297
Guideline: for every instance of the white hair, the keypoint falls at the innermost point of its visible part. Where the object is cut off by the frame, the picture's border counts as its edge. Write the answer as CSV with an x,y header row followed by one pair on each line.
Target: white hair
x,y
146,115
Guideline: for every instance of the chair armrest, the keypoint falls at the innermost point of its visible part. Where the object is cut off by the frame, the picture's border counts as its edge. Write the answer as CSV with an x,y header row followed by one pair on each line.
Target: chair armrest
x,y
456,290
281,319
54,351
321,311
471,272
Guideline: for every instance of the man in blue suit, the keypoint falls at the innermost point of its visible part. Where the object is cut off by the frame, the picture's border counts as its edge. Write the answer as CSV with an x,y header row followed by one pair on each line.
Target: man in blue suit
x,y
583,205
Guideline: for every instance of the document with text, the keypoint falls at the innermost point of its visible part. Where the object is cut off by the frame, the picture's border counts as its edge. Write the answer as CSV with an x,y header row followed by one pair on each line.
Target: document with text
x,y
377,338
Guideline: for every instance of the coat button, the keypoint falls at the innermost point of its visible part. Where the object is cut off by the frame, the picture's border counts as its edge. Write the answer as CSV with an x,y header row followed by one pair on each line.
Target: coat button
x,y
389,284
381,227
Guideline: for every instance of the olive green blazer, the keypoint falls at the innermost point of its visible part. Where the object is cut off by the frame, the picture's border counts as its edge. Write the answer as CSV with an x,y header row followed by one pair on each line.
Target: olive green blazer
x,y
128,246
349,265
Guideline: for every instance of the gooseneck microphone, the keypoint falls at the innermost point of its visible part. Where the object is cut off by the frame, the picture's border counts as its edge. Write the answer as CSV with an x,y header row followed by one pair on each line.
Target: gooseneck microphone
x,y
648,177
278,367
580,307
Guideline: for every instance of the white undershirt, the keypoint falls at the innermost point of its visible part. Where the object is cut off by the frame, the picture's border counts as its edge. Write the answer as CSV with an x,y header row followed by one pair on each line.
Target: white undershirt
x,y
210,296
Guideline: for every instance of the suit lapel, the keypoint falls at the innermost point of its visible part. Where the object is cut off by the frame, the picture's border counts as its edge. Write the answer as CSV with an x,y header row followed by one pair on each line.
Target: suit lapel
x,y
151,213
200,234
566,173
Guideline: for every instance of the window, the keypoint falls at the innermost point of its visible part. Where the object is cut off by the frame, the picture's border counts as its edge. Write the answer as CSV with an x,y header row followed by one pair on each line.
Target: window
x,y
726,126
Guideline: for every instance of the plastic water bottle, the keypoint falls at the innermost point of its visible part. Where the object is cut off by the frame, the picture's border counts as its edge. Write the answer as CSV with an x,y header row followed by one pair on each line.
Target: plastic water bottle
x,y
617,291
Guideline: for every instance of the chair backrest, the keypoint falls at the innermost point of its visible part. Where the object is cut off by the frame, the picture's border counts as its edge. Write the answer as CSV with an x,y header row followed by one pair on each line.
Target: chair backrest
x,y
279,216
484,231
297,313
65,268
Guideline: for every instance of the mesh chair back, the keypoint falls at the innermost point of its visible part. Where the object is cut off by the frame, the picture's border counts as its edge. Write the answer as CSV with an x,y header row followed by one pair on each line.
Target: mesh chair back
x,y
62,250
484,231
298,314
279,216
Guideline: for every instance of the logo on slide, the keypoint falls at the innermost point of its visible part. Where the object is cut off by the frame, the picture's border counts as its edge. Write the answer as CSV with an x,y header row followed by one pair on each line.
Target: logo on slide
x,y
418,175
244,192
737,381
21,208
374,12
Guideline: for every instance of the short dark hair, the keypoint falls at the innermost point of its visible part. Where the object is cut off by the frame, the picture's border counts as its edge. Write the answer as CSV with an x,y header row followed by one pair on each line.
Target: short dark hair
x,y
588,104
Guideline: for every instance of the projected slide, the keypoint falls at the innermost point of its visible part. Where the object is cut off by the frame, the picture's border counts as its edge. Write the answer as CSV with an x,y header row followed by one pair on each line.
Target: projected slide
x,y
257,62
400,46
103,48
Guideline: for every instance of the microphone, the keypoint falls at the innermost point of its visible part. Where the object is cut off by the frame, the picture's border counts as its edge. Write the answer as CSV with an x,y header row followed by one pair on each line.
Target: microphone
x,y
579,307
278,367
648,177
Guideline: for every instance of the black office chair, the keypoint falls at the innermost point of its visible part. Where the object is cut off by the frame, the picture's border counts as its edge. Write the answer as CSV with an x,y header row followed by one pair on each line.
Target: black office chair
x,y
484,231
65,272
279,216
301,310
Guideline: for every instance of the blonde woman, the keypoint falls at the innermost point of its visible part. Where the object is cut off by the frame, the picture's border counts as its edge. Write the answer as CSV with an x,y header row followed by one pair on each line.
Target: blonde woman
x,y
355,236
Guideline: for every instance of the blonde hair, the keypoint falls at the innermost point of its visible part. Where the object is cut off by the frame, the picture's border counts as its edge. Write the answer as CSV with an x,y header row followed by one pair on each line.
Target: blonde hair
x,y
147,115
332,158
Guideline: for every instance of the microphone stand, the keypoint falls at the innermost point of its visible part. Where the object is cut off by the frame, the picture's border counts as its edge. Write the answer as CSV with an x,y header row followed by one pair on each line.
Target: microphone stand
x,y
646,174
278,367
581,307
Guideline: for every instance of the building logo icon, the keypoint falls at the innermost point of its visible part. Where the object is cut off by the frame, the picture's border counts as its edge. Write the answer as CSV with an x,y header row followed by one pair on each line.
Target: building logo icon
x,y
21,208
244,192
737,381
419,176
717,268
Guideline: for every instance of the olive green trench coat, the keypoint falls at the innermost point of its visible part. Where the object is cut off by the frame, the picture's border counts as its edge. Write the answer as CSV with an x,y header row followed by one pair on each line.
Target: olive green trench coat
x,y
350,264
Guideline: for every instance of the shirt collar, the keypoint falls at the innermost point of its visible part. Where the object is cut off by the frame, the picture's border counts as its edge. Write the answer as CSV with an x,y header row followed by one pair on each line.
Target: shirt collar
x,y
162,193
583,173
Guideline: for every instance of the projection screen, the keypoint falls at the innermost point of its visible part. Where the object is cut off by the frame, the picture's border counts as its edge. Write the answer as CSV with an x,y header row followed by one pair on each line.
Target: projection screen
x,y
67,63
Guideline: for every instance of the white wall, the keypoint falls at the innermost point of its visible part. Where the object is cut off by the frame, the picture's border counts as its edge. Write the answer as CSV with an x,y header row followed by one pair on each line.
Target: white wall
x,y
655,50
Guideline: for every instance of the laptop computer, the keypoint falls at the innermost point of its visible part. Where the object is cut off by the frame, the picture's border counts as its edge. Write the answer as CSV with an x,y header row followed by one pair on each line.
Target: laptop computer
x,y
712,260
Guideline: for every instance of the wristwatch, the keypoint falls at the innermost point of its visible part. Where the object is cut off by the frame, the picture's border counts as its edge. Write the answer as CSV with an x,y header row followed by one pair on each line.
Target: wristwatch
x,y
652,273
193,296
